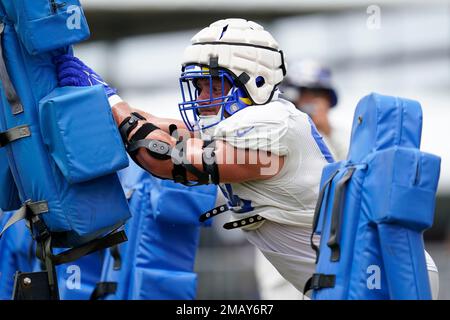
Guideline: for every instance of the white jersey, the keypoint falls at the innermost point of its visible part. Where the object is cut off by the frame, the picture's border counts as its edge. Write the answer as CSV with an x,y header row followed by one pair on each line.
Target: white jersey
x,y
291,195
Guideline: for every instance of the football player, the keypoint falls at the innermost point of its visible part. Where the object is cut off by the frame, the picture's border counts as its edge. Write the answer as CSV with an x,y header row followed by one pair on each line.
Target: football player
x,y
259,148
266,156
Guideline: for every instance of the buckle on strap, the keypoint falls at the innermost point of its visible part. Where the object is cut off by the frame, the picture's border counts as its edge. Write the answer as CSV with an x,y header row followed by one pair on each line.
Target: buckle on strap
x,y
158,149
213,66
129,124
38,228
14,134
243,78
38,207
31,211
102,289
321,280
243,222
213,212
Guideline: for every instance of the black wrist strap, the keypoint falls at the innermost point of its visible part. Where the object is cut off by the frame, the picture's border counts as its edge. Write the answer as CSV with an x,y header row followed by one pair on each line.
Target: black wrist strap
x,y
143,132
181,166
210,161
128,125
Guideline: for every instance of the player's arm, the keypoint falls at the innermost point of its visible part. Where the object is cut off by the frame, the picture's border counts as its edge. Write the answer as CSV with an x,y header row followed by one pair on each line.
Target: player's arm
x,y
229,165
71,71
194,160
237,165
122,111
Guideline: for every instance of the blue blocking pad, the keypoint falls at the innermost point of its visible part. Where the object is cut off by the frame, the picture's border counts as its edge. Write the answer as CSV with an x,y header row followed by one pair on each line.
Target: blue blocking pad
x,y
45,25
376,207
327,173
9,195
16,248
411,177
78,128
157,261
182,205
381,122
76,280
351,202
406,278
67,162
162,283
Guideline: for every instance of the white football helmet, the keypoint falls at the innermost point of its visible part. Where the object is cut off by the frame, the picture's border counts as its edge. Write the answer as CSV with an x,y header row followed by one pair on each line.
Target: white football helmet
x,y
237,50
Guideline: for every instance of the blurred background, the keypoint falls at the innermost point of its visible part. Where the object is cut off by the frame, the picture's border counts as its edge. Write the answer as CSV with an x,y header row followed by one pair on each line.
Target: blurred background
x,y
400,49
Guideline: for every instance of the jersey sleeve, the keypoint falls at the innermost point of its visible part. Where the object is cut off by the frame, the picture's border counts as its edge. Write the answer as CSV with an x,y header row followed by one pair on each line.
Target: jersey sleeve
x,y
256,128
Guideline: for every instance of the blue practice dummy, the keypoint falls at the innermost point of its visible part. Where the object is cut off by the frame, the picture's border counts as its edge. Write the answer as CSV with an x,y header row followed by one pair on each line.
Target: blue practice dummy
x,y
374,207
60,148
157,261
76,280
16,253
62,145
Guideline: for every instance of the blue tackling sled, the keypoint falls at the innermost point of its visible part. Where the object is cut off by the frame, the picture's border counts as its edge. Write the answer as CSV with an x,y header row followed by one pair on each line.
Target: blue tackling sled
x,y
59,147
374,207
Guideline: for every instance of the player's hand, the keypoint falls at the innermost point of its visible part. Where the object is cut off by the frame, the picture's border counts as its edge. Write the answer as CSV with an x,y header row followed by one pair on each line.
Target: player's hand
x,y
71,71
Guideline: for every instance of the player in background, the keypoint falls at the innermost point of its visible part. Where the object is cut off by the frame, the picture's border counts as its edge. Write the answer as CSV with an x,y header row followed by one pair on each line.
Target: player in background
x,y
309,85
